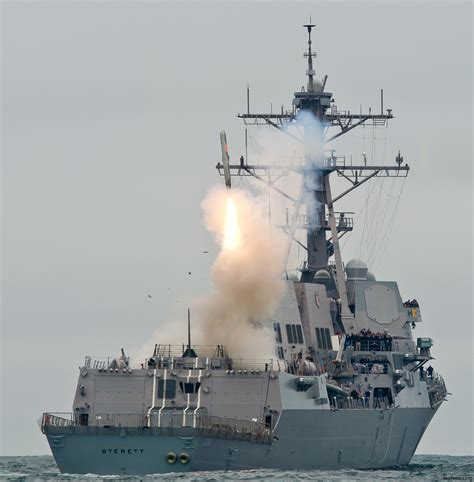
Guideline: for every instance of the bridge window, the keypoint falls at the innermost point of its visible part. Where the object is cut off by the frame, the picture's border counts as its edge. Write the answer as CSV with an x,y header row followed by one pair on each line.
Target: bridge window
x,y
299,333
294,334
318,338
328,338
293,331
281,355
323,337
166,388
276,327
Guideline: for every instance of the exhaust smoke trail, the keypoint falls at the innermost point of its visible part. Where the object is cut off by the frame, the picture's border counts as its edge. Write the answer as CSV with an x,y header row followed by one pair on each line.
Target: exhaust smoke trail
x,y
247,280
247,275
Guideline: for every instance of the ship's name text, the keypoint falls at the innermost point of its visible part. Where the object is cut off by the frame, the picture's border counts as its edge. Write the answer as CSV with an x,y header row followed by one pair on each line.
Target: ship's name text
x,y
123,451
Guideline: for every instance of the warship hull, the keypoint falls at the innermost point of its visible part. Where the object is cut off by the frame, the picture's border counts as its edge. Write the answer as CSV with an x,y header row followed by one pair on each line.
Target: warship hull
x,y
346,386
303,440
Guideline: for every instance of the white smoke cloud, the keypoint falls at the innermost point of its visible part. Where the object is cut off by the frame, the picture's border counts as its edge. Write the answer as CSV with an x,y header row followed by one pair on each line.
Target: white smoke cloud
x,y
247,278
314,157
268,146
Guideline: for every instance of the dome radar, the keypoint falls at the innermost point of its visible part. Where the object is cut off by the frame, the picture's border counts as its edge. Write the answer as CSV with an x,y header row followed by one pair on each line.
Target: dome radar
x,y
356,269
322,274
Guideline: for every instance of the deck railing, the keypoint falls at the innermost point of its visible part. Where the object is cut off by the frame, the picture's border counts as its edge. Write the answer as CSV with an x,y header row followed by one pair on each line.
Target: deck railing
x,y
350,403
436,388
116,364
223,427
241,364
208,425
57,419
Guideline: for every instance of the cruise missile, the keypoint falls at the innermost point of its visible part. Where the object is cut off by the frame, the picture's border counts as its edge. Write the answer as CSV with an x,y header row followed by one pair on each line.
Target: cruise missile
x,y
225,159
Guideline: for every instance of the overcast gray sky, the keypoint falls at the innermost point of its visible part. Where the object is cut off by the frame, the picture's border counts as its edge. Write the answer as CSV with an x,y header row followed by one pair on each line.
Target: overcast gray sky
x,y
110,121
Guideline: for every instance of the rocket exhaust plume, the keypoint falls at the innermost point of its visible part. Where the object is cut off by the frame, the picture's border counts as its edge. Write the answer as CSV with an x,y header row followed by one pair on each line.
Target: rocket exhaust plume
x,y
232,235
247,275
247,279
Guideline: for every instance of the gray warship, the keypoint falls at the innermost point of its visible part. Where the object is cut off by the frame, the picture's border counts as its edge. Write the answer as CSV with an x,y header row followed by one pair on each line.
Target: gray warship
x,y
347,386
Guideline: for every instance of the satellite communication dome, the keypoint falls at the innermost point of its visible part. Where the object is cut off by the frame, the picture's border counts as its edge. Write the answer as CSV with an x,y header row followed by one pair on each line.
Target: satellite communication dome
x,y
322,273
370,276
356,269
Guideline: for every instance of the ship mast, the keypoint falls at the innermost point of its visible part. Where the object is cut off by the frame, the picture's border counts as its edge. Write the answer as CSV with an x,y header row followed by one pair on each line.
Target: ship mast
x,y
310,72
313,101
316,193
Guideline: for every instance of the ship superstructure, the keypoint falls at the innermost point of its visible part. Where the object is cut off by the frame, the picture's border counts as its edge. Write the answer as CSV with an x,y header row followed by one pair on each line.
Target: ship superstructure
x,y
346,386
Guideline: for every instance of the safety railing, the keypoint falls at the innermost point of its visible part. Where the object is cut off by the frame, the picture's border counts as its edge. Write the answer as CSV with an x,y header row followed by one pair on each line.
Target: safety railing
x,y
161,352
436,388
202,351
56,419
334,161
231,365
211,426
343,221
240,365
177,362
362,403
120,420
222,427
376,367
370,343
301,367
188,363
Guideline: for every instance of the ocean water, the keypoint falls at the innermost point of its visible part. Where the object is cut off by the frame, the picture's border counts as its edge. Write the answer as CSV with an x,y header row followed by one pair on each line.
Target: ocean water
x,y
422,467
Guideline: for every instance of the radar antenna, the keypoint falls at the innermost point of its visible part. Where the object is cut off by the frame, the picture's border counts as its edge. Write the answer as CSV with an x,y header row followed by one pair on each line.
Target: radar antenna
x,y
315,167
310,55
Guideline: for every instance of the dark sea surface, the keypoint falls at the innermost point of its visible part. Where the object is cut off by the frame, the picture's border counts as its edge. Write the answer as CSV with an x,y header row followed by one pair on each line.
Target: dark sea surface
x,y
423,467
